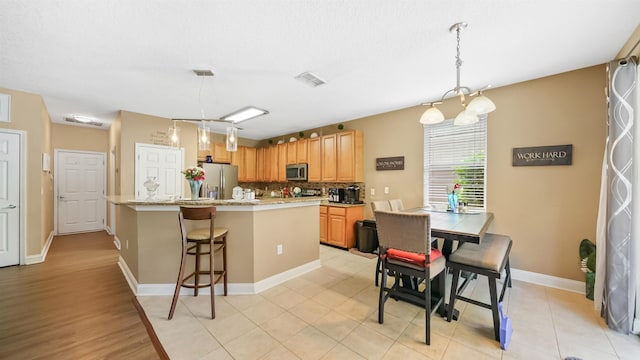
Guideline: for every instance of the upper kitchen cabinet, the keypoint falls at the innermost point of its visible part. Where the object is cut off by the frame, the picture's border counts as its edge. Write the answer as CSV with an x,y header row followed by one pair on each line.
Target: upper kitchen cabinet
x,y
301,151
329,158
273,163
350,150
250,164
245,159
292,153
260,164
282,162
314,159
218,153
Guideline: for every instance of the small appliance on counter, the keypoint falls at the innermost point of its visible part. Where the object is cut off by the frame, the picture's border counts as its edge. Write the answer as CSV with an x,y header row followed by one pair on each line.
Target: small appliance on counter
x,y
336,195
352,195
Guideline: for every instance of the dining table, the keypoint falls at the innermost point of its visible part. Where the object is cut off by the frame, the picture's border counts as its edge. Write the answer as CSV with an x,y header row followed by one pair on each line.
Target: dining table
x,y
468,226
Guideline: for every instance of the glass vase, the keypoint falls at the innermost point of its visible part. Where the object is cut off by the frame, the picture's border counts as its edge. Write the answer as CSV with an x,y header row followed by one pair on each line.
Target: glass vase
x,y
194,185
453,202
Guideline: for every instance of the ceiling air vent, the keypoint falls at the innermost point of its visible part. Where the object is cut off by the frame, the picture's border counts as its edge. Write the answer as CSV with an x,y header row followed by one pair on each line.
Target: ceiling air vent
x,y
310,79
72,119
203,72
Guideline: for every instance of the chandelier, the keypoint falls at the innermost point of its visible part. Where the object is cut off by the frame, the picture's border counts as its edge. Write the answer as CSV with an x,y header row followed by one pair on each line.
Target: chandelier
x,y
480,106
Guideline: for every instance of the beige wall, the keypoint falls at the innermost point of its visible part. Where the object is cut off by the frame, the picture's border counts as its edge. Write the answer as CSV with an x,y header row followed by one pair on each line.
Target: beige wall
x,y
28,114
547,210
71,137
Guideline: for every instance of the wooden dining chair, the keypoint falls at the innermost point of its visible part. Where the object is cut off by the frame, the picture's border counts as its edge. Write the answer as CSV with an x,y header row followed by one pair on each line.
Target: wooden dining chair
x,y
405,245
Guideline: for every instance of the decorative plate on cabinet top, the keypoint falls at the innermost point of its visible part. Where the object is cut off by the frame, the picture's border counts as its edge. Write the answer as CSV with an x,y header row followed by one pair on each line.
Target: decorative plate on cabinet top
x,y
313,135
292,139
280,142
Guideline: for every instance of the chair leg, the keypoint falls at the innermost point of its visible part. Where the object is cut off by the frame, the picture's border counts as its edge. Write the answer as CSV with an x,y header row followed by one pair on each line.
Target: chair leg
x,y
494,307
378,271
176,293
224,262
508,269
427,309
453,293
197,270
382,297
212,276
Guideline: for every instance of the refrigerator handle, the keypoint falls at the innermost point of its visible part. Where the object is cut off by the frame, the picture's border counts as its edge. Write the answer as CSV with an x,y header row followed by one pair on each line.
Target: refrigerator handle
x,y
222,184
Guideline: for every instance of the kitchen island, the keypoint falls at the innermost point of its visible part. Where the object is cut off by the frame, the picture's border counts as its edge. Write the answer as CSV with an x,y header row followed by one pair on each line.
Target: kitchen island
x,y
148,236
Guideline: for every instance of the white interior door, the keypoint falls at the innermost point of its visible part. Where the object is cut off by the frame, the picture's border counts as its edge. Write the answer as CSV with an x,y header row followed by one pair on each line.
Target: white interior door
x,y
163,163
9,199
81,188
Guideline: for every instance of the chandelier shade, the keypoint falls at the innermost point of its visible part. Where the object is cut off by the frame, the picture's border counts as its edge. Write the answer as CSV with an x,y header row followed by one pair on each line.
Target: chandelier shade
x,y
203,137
479,106
432,116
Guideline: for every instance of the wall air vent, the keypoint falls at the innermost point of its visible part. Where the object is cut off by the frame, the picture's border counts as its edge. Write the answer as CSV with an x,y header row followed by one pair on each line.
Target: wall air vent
x,y
203,72
73,119
310,79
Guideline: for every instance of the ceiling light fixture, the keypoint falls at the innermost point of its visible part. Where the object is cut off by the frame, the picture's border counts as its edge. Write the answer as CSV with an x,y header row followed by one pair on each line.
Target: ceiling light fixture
x,y
478,107
244,114
232,138
203,131
174,136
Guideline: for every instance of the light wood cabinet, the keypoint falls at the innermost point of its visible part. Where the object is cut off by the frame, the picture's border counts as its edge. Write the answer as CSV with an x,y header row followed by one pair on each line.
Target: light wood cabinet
x,y
340,225
301,151
349,154
250,157
323,223
273,166
237,158
314,159
282,162
329,158
292,153
260,164
220,153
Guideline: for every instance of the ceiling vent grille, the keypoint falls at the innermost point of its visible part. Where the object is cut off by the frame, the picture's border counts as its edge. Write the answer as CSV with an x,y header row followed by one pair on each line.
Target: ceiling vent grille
x,y
203,72
310,79
74,120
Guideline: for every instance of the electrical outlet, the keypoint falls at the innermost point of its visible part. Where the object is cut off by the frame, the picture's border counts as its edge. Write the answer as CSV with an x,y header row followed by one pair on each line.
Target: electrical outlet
x,y
279,249
373,192
386,189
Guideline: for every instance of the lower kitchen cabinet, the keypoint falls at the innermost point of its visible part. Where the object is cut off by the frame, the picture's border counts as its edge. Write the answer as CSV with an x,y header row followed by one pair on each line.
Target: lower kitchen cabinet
x,y
337,225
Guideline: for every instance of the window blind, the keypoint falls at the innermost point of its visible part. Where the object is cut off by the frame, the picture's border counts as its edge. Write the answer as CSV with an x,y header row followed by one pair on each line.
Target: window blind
x,y
455,154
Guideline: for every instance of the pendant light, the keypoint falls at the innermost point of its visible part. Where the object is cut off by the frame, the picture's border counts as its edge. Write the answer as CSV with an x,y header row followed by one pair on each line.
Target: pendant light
x,y
174,136
471,113
232,138
203,136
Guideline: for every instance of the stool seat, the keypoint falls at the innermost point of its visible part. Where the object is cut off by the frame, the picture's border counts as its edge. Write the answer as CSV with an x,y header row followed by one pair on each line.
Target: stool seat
x,y
489,258
203,233
489,255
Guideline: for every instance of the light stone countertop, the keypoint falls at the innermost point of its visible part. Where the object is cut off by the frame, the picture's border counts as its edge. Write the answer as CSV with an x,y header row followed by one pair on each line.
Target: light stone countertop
x,y
127,200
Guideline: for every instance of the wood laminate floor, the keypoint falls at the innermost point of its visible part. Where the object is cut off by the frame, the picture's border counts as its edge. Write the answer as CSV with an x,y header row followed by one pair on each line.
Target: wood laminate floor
x,y
75,305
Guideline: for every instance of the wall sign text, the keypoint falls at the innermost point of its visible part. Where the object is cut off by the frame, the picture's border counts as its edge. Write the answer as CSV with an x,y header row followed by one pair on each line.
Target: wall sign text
x,y
542,155
390,163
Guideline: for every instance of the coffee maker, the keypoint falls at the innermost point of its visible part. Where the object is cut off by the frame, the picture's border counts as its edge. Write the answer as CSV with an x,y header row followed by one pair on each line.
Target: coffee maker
x,y
336,195
352,195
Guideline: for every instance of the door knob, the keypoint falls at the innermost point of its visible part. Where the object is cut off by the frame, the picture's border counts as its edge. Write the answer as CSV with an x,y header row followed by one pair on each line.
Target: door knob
x,y
9,207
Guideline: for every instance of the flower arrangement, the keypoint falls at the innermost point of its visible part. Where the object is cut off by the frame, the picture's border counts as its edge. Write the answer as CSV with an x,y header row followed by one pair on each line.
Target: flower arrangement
x,y
194,173
454,189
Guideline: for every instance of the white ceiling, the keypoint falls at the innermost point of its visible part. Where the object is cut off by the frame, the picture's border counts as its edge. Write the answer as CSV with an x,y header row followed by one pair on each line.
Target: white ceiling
x,y
95,58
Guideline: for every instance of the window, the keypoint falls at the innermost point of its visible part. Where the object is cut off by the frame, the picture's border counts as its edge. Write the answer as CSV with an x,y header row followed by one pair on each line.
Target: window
x,y
455,154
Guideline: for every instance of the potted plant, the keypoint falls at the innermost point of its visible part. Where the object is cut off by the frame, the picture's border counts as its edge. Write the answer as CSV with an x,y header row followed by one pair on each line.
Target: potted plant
x,y
588,265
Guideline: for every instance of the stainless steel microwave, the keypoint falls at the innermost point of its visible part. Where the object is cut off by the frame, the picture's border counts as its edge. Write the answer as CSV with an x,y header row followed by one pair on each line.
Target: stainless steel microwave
x,y
297,172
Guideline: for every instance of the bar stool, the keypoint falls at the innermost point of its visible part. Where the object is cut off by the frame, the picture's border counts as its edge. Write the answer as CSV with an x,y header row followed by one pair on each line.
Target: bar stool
x,y
192,242
488,258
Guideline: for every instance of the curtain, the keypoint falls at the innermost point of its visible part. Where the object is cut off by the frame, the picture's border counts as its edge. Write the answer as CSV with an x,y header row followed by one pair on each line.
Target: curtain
x,y
617,240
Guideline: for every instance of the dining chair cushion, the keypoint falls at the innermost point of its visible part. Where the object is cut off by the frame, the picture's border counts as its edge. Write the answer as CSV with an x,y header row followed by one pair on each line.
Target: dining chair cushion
x,y
203,233
435,267
489,254
411,257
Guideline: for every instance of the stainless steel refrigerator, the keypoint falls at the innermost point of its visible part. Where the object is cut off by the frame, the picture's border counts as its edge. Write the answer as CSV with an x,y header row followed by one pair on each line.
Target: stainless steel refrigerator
x,y
219,176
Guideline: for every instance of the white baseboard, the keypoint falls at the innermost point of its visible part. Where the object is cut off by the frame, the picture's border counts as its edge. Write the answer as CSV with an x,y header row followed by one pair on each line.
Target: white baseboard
x,y
232,288
116,242
36,259
108,230
548,280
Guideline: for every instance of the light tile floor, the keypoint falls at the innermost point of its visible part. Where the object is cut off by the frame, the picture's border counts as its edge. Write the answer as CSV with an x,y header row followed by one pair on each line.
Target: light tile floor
x,y
331,313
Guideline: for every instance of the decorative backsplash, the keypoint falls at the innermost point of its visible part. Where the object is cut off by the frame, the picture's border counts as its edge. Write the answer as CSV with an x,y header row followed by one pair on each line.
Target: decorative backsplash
x,y
304,185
